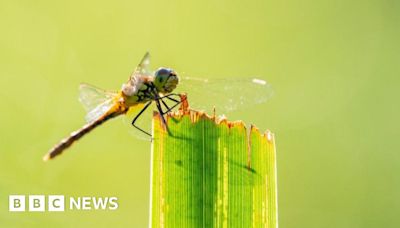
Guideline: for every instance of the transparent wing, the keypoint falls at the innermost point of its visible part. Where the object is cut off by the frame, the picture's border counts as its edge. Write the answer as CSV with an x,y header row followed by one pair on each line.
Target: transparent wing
x,y
90,96
140,74
142,68
95,101
225,95
99,110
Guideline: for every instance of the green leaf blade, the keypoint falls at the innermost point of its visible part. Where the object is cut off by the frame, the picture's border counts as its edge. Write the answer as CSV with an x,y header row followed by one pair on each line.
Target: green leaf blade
x,y
208,173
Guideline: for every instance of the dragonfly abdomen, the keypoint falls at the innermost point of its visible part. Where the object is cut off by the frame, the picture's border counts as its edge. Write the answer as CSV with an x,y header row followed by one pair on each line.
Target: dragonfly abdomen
x,y
76,135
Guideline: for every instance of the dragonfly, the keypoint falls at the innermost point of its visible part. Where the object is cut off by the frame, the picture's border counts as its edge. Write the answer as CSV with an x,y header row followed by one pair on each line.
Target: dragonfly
x,y
142,89
145,87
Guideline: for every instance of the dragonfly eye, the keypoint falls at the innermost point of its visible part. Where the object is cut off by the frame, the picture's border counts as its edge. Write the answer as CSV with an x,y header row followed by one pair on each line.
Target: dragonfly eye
x,y
163,71
165,80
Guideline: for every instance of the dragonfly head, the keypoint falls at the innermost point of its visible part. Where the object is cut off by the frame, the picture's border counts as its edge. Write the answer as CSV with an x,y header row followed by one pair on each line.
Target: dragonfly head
x,y
165,80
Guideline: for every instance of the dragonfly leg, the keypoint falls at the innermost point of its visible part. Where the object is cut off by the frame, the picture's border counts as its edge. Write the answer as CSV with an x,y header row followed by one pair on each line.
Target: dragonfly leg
x,y
161,112
169,108
172,99
137,116
159,107
177,102
170,95
165,105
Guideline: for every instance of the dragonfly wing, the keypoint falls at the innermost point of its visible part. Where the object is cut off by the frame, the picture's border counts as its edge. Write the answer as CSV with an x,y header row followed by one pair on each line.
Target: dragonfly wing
x,y
225,95
96,101
90,96
139,75
100,110
142,68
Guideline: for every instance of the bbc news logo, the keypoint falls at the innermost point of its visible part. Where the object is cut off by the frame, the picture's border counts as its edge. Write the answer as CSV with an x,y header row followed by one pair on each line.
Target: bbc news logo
x,y
40,203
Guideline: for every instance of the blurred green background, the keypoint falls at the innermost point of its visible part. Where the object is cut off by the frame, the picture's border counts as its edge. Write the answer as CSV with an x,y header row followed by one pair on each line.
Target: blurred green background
x,y
334,67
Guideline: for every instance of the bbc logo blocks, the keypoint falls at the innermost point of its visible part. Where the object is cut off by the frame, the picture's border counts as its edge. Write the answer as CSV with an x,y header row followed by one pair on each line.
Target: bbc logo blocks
x,y
41,203
56,203
36,203
16,203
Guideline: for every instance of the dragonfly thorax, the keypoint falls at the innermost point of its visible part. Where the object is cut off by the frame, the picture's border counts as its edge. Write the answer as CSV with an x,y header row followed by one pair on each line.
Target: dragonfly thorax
x,y
137,90
132,86
165,80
